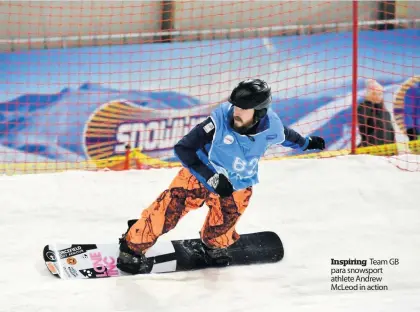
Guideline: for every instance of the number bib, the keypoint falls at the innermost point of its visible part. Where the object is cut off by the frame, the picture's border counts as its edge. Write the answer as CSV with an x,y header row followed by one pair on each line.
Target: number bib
x,y
237,156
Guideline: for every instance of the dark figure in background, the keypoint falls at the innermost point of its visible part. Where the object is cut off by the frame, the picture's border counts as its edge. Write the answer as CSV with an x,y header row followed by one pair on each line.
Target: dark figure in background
x,y
375,125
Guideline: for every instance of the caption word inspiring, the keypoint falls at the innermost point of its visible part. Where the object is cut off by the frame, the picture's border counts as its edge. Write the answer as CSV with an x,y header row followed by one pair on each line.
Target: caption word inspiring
x,y
360,275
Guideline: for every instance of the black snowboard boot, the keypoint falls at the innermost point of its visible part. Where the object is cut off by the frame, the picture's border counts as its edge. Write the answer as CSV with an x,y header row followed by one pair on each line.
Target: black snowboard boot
x,y
203,256
130,261
217,256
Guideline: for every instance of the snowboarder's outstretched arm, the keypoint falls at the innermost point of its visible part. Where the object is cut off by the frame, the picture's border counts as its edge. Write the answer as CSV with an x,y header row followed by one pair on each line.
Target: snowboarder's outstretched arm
x,y
295,140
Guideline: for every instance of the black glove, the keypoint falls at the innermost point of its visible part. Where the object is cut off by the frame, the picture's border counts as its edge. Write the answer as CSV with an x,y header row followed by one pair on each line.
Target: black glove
x,y
221,185
315,142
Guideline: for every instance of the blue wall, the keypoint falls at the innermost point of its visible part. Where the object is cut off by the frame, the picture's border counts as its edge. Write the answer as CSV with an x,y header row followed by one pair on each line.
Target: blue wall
x,y
48,97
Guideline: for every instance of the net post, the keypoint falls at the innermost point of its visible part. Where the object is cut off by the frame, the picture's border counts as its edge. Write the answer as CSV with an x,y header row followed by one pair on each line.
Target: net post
x,y
167,12
354,76
127,157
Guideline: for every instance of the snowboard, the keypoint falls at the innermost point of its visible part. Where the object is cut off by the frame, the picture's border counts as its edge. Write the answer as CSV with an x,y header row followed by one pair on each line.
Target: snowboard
x,y
87,261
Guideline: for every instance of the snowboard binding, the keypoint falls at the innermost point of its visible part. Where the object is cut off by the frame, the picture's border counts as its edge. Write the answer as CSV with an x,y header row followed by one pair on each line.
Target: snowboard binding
x,y
218,256
200,253
129,261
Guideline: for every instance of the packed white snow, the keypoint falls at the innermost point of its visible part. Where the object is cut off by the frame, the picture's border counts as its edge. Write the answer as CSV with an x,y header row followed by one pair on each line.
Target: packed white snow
x,y
352,207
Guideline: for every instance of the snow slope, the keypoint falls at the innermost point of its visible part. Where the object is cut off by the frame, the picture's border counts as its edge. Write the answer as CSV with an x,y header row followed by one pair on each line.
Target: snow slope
x,y
347,207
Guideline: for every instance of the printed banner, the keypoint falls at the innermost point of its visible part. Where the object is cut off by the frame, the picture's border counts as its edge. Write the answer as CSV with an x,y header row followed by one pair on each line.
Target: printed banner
x,y
88,103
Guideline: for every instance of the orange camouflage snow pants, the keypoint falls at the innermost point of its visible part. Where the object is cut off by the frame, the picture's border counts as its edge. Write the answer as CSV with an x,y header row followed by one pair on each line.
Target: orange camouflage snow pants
x,y
184,194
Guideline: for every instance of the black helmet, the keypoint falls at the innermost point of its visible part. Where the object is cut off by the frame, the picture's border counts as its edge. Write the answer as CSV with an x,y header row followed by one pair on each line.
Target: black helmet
x,y
251,93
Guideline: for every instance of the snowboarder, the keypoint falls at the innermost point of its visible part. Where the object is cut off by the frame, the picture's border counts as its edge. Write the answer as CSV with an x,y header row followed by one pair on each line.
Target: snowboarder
x,y
220,165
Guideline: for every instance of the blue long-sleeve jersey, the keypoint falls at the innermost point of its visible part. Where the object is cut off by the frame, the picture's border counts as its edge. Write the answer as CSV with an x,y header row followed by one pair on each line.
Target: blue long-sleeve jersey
x,y
200,139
